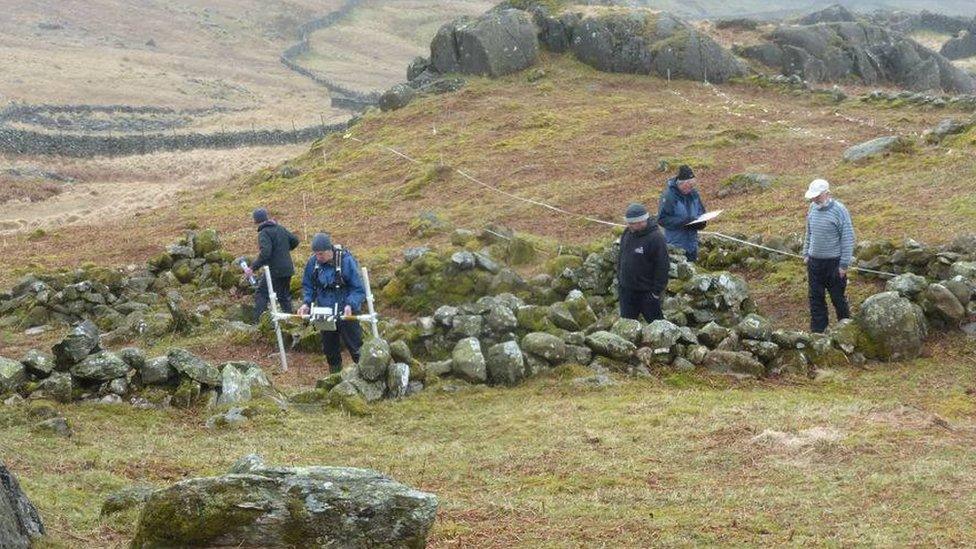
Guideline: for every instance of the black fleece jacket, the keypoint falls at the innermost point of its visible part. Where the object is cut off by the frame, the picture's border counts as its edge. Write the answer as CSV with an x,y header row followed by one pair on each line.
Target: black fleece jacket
x,y
644,261
276,244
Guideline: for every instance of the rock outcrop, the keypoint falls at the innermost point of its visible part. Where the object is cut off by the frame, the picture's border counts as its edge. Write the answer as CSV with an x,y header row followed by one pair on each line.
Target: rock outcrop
x,y
859,52
19,520
497,43
288,507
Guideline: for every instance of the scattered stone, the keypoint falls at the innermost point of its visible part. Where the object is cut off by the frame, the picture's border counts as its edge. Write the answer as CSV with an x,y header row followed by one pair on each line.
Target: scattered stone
x,y
78,344
246,464
127,498
397,380
874,147
57,426
39,364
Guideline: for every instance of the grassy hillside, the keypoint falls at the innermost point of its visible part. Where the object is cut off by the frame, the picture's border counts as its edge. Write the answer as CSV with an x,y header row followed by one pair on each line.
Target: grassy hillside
x,y
877,457
585,141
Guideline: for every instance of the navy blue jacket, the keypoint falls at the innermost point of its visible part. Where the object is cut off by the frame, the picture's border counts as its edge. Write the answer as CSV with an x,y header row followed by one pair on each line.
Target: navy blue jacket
x,y
352,292
676,210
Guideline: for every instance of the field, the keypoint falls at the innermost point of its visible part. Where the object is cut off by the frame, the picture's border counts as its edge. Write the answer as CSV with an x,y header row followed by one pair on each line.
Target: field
x,y
881,455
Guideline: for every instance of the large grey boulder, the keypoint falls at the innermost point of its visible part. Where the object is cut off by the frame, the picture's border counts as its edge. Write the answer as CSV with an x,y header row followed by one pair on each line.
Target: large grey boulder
x,y
868,149
194,367
374,359
468,361
79,343
941,301
38,363
610,345
495,44
288,507
505,363
640,41
102,366
19,520
908,285
397,97
893,327
546,346
234,386
734,362
157,371
13,374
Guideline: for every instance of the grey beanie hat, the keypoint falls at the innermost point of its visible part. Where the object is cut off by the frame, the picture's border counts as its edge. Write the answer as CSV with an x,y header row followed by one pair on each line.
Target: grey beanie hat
x,y
321,242
260,215
636,213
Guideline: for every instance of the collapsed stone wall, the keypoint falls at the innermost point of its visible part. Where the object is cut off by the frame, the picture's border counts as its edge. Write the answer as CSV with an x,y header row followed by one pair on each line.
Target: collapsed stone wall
x,y
79,367
137,302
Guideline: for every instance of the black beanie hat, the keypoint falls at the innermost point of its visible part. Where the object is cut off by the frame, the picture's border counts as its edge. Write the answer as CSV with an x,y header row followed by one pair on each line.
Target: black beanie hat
x,y
685,173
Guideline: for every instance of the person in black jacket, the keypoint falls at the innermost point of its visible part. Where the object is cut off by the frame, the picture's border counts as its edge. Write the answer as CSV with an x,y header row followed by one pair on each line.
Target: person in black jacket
x,y
643,268
275,244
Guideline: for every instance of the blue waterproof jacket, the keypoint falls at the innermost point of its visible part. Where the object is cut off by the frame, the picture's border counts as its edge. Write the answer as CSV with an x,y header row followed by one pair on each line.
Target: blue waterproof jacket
x,y
675,210
318,283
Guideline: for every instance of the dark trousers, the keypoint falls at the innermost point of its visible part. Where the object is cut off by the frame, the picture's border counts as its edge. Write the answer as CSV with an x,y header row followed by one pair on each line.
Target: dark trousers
x,y
823,277
282,288
691,255
633,304
350,333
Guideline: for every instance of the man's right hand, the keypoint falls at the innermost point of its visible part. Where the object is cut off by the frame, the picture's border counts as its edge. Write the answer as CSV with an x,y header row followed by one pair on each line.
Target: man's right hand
x,y
303,310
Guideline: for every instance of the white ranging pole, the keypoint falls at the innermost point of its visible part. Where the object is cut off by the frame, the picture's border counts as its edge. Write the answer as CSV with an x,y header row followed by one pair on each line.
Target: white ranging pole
x,y
369,304
276,317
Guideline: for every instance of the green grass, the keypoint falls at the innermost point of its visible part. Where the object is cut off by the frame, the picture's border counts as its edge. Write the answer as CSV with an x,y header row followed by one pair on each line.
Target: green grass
x,y
665,461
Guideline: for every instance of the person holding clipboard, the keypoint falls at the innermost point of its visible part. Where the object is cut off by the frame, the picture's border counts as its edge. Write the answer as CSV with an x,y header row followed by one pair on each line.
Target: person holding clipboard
x,y
678,212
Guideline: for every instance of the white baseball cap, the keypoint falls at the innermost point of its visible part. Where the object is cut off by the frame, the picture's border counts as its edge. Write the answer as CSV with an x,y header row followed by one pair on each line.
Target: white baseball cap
x,y
817,188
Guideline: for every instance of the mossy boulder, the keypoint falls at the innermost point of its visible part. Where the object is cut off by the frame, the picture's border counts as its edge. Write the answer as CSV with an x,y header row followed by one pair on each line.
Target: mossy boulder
x,y
893,327
505,364
194,367
546,346
288,507
374,359
13,374
734,362
205,242
468,361
79,343
610,345
102,366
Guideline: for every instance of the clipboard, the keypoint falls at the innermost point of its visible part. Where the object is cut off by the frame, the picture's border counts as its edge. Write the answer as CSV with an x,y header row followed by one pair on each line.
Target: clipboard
x,y
707,216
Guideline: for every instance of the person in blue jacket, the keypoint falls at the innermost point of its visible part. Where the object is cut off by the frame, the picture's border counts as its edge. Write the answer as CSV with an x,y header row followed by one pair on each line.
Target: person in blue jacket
x,y
325,285
680,205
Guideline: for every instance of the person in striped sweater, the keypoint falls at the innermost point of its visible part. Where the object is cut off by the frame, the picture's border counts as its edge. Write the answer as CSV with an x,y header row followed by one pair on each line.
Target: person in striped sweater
x,y
828,249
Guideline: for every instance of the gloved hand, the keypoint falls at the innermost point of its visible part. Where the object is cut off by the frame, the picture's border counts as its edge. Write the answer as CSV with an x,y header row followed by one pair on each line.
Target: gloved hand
x,y
347,311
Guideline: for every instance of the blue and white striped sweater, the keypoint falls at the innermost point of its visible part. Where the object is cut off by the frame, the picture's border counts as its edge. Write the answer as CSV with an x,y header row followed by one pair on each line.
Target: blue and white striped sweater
x,y
830,233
